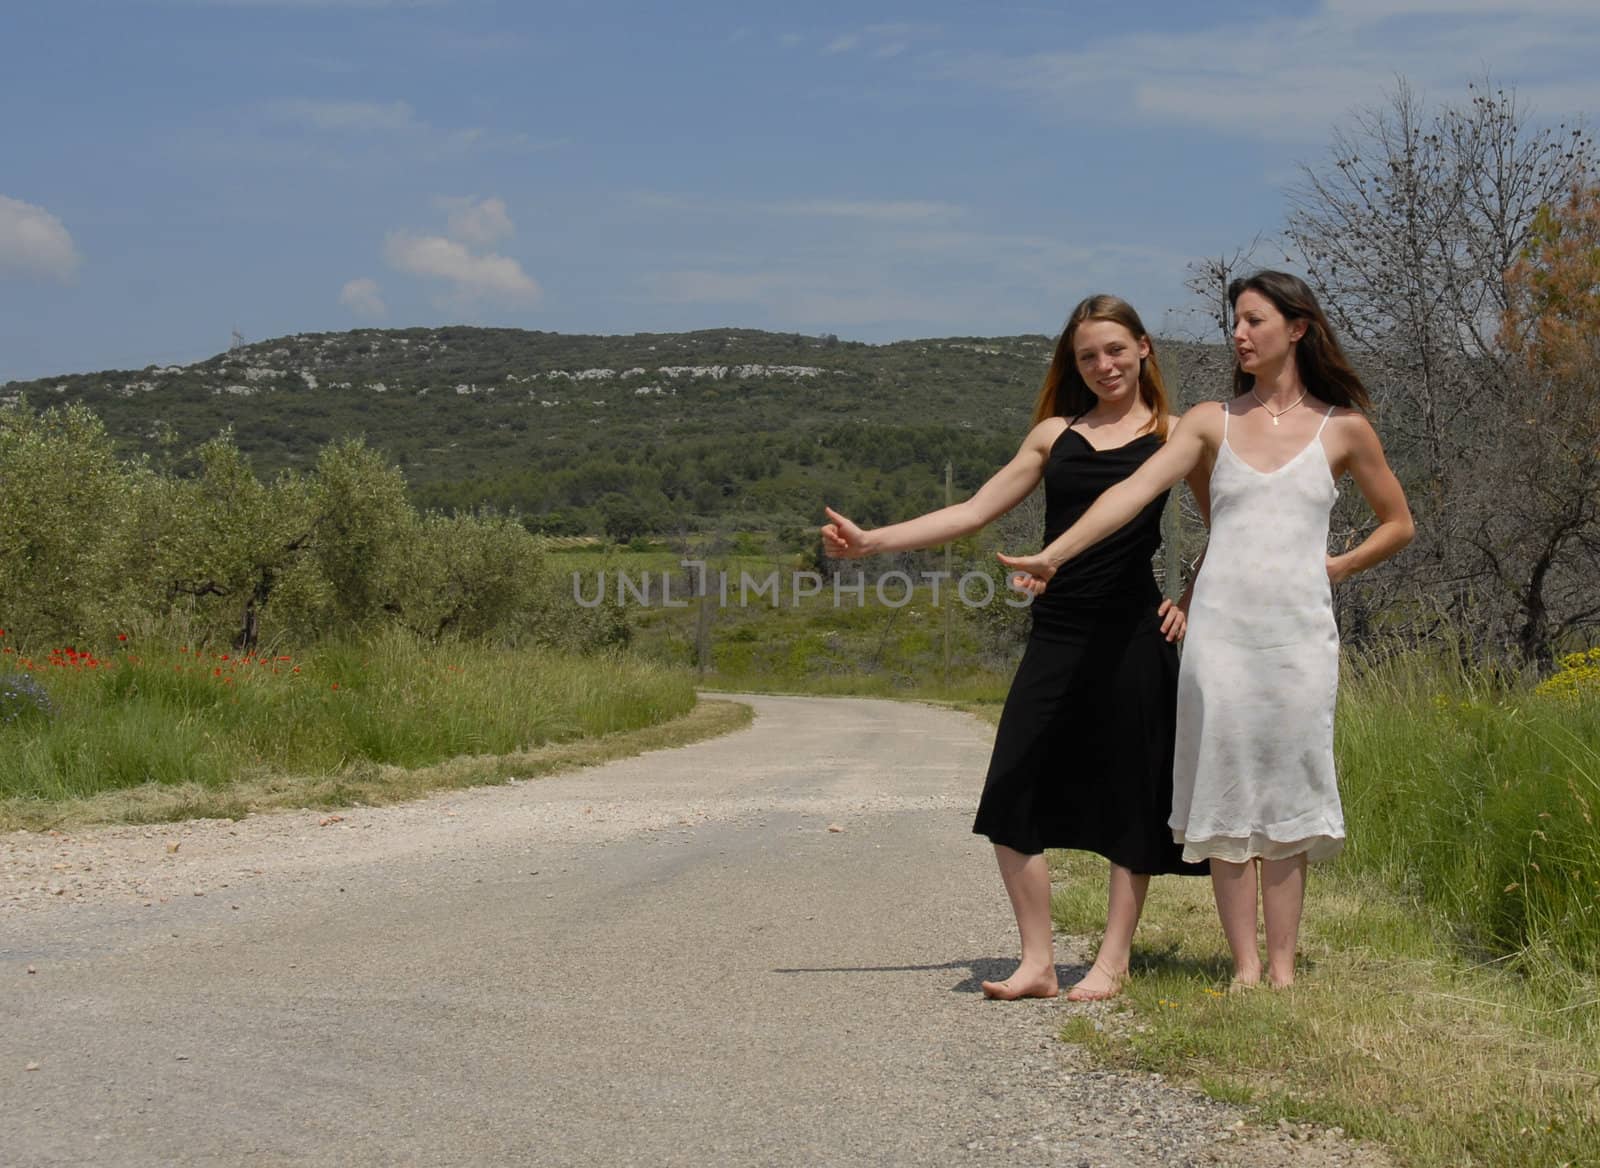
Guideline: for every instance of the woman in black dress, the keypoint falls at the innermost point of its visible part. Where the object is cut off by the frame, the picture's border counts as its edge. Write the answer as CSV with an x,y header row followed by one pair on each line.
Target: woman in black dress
x,y
1083,755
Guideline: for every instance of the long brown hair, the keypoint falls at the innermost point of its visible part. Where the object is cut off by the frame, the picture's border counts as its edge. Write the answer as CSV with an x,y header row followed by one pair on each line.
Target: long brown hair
x,y
1321,363
1064,393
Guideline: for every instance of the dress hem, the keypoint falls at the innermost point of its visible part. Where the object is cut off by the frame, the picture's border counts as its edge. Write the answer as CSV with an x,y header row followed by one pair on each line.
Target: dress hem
x,y
1241,849
1175,867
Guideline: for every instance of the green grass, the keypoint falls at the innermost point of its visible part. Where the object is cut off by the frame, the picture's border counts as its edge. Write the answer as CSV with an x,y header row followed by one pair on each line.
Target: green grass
x,y
1389,1032
1480,804
364,783
807,646
1448,1003
164,716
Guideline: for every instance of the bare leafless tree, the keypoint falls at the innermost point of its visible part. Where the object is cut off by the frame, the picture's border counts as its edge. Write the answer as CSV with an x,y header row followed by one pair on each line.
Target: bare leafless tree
x,y
1208,280
1408,231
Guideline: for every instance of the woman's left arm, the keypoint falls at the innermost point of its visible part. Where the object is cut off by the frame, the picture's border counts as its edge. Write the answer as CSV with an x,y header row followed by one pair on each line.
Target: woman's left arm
x,y
1367,465
1175,613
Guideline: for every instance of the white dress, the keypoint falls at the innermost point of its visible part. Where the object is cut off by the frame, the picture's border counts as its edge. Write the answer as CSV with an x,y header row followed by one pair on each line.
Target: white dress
x,y
1253,766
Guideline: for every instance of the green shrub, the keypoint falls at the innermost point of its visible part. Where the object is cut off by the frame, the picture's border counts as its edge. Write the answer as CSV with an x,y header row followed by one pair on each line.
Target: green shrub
x,y
95,548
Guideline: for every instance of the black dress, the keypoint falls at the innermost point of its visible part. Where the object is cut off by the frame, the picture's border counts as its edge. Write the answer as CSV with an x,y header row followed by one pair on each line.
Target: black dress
x,y
1083,755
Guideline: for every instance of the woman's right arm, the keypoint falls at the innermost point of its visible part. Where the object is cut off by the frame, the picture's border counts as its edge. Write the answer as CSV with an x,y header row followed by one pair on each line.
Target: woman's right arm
x,y
1184,450
1008,486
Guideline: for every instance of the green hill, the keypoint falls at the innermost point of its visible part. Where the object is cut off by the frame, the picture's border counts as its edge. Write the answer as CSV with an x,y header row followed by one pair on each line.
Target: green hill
x,y
624,434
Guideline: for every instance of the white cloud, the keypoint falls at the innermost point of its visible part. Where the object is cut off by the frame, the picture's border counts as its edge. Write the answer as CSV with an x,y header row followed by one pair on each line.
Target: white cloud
x,y
696,286
916,281
472,277
346,116
882,40
892,268
804,297
34,243
1290,78
885,211
477,222
1377,10
362,297
904,29
888,211
299,126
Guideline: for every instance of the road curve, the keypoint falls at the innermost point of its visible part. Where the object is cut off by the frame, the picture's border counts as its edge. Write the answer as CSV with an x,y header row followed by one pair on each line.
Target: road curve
x,y
667,960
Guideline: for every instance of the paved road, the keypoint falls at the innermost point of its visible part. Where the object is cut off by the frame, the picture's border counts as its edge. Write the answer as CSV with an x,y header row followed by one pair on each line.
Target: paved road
x,y
669,960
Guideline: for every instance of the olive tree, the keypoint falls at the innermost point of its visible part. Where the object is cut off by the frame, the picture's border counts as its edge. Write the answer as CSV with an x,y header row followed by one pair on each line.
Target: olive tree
x,y
62,521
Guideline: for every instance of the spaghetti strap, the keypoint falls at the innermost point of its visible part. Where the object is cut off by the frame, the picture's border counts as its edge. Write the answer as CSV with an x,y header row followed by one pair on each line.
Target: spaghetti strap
x,y
1325,418
1226,413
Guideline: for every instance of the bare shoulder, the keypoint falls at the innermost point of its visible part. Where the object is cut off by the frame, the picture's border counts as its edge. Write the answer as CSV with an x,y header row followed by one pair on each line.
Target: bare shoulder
x,y
1352,427
1204,420
1352,443
1202,413
1043,436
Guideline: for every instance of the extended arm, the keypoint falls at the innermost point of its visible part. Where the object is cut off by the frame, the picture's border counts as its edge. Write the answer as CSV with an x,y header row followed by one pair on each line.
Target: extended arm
x,y
1384,494
1175,614
1008,486
1117,505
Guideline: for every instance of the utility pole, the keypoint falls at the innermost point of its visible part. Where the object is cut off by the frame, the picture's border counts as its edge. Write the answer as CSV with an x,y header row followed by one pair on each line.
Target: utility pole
x,y
702,621
949,604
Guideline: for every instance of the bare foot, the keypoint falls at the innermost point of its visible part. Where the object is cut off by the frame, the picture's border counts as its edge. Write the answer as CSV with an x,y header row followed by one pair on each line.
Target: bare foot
x,y
1242,984
1023,985
1097,985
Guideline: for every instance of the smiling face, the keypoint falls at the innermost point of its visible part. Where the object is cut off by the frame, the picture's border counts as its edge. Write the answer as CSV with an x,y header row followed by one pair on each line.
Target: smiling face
x,y
1107,356
1263,338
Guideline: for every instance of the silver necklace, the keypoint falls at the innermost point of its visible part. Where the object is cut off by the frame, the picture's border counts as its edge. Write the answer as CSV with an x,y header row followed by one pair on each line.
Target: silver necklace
x,y
1285,409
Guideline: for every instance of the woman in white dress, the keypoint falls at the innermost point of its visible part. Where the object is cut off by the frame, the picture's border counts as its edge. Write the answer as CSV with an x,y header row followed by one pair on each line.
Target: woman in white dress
x,y
1253,775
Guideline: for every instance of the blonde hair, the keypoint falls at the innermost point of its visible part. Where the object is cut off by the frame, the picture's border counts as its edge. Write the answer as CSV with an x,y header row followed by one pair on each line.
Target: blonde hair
x,y
1066,395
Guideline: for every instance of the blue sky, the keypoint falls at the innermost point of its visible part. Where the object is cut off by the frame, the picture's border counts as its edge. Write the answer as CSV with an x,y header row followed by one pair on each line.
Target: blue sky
x,y
175,169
